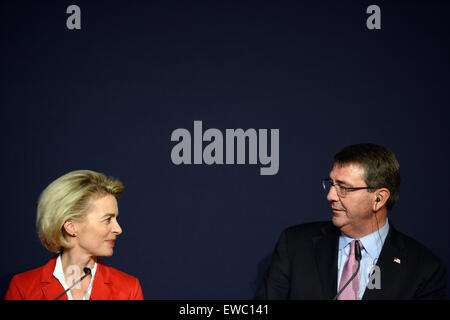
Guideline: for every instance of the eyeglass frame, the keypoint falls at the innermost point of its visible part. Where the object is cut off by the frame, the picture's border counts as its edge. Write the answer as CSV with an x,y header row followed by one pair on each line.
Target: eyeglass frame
x,y
328,180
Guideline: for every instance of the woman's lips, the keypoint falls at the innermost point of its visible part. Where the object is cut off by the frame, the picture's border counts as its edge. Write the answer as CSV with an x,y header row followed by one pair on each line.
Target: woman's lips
x,y
111,242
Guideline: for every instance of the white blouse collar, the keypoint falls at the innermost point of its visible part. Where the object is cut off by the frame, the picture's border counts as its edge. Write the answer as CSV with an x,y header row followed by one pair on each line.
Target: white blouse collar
x,y
59,274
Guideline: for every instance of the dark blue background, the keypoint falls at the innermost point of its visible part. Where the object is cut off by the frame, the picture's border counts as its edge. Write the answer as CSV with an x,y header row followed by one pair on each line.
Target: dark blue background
x,y
107,98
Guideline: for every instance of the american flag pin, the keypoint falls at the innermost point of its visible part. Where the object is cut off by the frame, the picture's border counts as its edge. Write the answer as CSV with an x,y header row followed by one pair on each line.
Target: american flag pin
x,y
397,260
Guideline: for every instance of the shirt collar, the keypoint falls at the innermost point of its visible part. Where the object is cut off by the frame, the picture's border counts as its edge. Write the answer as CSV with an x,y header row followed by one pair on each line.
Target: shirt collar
x,y
371,242
59,274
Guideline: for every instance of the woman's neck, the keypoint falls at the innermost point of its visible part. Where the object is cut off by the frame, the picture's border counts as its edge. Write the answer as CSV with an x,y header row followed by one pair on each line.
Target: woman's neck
x,y
73,257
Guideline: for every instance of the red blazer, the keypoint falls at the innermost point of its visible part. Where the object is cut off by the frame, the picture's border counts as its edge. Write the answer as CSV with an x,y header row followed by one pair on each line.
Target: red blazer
x,y
40,284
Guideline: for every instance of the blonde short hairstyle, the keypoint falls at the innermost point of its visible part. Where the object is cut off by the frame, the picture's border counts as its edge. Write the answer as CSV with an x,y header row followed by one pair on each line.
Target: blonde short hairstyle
x,y
69,197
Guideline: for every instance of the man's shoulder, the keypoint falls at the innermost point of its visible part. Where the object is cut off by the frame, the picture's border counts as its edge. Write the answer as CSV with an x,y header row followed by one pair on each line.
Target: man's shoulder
x,y
414,248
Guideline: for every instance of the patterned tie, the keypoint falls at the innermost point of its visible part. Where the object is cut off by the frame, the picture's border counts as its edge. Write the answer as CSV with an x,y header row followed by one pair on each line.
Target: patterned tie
x,y
351,291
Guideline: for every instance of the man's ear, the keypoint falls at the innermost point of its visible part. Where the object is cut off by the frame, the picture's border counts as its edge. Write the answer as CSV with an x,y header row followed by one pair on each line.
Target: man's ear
x,y
380,197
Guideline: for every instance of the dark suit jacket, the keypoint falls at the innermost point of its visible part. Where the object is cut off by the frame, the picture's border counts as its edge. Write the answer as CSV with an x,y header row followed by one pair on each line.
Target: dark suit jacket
x,y
304,266
40,284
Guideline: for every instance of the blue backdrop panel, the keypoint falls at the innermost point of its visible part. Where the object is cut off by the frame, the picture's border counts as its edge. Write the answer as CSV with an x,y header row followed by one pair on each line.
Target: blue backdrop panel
x,y
108,97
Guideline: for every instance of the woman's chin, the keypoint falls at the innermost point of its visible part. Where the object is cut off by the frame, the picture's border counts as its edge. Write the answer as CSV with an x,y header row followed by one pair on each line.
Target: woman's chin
x,y
105,253
109,254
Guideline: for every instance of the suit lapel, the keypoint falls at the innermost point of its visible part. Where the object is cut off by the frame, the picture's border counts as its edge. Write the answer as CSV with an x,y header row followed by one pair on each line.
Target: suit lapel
x,y
390,266
51,288
102,286
326,252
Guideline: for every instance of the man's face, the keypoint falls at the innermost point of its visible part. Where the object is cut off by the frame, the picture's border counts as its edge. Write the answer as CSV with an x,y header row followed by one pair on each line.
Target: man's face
x,y
354,211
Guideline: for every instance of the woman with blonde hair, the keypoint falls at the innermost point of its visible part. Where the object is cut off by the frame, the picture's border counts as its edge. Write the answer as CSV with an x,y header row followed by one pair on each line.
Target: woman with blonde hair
x,y
77,220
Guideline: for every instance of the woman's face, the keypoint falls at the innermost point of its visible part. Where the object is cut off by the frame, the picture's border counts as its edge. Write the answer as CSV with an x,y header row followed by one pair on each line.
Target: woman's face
x,y
97,233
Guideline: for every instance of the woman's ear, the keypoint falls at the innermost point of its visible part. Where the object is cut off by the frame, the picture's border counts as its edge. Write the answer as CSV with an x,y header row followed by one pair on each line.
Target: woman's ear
x,y
70,228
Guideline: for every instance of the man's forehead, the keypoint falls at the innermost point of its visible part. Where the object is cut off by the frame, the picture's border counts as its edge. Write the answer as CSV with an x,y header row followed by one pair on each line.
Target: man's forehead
x,y
351,172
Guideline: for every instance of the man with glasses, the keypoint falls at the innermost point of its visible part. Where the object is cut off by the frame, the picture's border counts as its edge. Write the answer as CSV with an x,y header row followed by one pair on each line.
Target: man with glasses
x,y
359,254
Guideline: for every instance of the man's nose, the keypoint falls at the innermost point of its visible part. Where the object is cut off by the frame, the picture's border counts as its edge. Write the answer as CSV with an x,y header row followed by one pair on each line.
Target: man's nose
x,y
332,194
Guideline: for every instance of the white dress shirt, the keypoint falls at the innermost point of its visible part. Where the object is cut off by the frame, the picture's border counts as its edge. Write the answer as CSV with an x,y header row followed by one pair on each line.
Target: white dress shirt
x,y
59,274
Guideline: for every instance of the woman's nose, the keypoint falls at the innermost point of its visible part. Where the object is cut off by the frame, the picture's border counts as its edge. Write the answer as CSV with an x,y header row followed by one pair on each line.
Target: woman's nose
x,y
117,229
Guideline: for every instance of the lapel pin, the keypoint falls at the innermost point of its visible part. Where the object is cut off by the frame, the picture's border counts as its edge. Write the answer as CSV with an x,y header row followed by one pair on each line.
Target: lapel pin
x,y
397,260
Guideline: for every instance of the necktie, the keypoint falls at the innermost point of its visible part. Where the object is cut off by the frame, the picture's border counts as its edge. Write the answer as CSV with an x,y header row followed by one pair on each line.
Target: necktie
x,y
351,291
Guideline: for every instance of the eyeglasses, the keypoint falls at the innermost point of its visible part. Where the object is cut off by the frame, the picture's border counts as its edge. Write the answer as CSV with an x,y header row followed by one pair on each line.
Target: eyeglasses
x,y
340,190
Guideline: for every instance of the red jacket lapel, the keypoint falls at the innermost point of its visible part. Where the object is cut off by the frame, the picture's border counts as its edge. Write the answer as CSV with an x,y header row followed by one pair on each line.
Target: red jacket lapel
x,y
102,287
51,288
